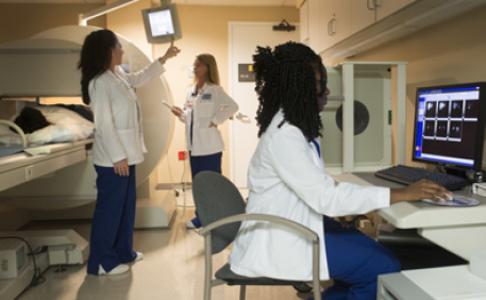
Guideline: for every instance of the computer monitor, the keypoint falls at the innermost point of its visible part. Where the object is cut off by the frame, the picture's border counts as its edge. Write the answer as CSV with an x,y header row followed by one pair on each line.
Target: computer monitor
x,y
449,125
161,24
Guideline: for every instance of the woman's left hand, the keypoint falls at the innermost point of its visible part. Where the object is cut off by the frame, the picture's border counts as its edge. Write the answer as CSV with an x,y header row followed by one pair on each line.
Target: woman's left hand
x,y
213,125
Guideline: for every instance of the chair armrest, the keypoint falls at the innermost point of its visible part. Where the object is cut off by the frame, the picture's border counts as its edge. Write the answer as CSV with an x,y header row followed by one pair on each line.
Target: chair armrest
x,y
299,228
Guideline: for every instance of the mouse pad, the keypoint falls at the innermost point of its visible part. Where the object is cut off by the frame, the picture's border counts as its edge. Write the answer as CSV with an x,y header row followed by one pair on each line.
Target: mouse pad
x,y
458,201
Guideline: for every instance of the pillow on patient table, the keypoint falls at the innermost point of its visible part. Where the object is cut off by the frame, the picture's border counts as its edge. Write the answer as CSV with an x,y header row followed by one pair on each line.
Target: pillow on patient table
x,y
67,126
59,134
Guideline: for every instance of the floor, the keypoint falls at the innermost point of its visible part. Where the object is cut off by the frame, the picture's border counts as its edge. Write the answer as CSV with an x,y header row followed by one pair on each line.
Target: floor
x,y
172,269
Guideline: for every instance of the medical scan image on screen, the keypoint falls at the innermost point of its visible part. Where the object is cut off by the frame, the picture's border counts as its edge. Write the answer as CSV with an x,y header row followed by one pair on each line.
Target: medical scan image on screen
x,y
161,23
447,123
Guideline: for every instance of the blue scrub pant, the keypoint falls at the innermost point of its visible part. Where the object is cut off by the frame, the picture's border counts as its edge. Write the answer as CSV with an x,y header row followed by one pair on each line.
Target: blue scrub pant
x,y
113,220
354,262
204,163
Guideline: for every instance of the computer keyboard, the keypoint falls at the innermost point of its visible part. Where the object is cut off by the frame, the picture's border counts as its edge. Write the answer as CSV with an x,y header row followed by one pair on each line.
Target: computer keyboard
x,y
407,175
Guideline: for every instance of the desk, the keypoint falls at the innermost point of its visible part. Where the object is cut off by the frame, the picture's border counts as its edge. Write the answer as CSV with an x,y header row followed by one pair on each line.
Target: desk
x,y
462,231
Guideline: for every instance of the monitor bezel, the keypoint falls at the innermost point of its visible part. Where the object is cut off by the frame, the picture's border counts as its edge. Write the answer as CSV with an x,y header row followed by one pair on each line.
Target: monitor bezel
x,y
175,22
478,155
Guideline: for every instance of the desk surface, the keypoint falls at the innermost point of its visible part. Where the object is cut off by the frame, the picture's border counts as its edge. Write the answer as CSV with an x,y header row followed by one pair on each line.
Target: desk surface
x,y
446,283
408,215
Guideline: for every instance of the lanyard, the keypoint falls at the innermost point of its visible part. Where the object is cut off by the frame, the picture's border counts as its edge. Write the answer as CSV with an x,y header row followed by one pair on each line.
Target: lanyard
x,y
318,148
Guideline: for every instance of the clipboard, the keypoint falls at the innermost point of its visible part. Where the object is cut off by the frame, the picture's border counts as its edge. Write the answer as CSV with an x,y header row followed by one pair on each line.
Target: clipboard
x,y
166,104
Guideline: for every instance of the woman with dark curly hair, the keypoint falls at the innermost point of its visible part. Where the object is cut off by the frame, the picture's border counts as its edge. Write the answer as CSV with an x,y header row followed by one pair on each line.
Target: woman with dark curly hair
x,y
287,178
118,147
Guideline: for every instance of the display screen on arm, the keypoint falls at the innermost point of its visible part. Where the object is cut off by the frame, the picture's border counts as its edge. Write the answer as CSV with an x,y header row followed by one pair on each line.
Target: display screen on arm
x,y
161,23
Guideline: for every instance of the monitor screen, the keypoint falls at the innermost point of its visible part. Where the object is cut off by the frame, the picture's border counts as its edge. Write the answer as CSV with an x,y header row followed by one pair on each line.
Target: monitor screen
x,y
448,125
161,24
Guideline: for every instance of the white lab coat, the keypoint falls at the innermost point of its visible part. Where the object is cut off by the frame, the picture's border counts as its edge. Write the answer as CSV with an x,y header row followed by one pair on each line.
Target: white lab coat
x,y
210,104
117,115
286,178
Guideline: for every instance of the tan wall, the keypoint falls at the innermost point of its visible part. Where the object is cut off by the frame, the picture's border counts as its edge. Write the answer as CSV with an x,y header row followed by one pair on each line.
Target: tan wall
x,y
19,21
204,29
450,52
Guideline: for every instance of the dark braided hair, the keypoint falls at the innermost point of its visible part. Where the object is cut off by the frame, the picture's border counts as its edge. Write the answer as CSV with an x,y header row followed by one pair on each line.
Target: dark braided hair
x,y
95,57
285,79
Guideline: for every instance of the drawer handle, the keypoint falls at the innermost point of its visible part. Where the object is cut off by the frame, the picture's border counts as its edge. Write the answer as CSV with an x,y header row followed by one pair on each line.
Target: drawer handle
x,y
29,173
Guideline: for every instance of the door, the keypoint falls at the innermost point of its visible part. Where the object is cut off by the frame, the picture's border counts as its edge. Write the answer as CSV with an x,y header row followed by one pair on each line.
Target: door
x,y
243,39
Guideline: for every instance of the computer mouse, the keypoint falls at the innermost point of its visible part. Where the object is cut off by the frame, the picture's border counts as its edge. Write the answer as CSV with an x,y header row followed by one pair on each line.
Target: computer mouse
x,y
446,197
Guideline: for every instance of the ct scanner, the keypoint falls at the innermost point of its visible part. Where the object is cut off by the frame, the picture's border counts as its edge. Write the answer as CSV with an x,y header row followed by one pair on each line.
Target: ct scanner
x,y
64,186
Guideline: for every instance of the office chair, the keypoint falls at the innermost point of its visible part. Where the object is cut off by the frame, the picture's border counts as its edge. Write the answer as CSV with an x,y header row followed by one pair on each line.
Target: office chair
x,y
221,210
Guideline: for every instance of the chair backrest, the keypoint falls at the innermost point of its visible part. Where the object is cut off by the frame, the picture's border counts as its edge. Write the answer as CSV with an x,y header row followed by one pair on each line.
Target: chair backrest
x,y
216,198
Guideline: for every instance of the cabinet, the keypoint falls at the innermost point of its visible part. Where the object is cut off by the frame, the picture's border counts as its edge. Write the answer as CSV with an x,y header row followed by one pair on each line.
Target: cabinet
x,y
385,8
339,24
317,17
329,21
338,29
304,22
363,14
366,12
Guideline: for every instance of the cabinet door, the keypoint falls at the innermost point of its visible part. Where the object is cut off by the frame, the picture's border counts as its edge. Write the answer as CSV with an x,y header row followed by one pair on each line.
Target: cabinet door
x,y
363,14
341,19
316,29
338,23
304,23
386,8
323,11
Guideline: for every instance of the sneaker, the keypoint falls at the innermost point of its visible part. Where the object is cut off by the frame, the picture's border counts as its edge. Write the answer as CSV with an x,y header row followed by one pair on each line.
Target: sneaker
x,y
139,256
195,223
190,225
120,269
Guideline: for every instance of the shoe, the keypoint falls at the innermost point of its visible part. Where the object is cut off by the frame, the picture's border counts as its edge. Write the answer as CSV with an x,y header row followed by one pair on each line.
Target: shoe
x,y
190,225
195,223
120,269
139,256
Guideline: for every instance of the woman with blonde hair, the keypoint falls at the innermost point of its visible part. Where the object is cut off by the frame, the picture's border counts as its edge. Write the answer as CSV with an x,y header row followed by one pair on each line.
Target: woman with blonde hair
x,y
207,106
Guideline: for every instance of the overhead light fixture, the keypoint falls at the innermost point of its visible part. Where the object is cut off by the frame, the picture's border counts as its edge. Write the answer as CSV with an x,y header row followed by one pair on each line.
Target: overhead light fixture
x,y
84,18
